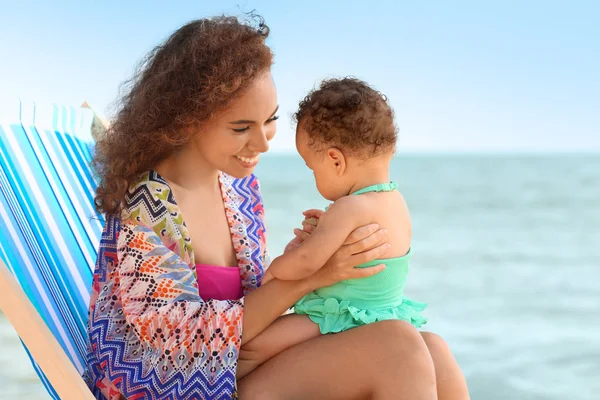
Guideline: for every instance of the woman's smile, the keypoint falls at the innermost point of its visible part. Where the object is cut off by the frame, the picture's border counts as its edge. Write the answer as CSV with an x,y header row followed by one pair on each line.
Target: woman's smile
x,y
248,162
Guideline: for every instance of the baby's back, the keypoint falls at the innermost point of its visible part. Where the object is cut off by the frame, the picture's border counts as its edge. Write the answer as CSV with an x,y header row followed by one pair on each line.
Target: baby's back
x,y
389,210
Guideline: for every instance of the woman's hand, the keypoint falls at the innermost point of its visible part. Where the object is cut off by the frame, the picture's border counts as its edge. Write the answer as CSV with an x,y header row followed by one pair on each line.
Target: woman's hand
x,y
365,244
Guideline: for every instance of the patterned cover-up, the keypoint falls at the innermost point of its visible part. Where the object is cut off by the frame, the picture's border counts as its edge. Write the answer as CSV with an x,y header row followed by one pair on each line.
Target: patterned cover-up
x,y
151,336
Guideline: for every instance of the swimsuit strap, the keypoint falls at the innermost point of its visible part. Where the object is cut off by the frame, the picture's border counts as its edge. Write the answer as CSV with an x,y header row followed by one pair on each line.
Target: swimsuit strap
x,y
382,187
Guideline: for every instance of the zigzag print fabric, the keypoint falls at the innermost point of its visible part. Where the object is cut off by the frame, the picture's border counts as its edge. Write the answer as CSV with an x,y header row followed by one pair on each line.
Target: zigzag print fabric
x,y
151,336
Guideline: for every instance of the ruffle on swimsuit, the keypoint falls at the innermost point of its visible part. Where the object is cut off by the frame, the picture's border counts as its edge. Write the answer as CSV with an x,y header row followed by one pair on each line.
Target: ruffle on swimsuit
x,y
357,302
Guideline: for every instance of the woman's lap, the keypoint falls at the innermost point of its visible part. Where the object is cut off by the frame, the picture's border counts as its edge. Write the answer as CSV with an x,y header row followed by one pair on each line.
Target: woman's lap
x,y
385,357
285,332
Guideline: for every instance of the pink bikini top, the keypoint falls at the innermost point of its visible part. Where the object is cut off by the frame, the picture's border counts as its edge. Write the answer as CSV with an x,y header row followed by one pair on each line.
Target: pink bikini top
x,y
219,283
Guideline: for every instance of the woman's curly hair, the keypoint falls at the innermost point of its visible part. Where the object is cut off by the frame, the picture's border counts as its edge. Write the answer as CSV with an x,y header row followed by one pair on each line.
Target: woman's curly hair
x,y
181,83
350,115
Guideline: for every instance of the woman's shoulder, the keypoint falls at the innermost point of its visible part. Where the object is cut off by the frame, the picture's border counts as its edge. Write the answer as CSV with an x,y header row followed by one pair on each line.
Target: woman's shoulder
x,y
149,191
152,211
148,184
150,202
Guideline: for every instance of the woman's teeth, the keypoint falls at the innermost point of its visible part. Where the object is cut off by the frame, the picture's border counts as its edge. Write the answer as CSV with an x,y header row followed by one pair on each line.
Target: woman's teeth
x,y
248,160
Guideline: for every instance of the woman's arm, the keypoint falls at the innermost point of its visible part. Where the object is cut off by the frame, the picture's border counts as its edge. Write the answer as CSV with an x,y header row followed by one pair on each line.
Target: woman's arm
x,y
161,301
265,304
269,301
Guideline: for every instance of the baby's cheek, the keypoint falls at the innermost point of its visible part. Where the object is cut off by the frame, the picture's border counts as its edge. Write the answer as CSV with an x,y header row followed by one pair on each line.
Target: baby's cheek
x,y
321,187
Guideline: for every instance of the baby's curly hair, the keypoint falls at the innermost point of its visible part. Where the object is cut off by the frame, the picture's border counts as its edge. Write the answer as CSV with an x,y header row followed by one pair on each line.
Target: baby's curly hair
x,y
348,114
181,83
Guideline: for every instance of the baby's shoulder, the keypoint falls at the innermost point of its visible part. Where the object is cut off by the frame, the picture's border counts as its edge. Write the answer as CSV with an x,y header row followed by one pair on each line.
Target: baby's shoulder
x,y
352,205
385,204
350,201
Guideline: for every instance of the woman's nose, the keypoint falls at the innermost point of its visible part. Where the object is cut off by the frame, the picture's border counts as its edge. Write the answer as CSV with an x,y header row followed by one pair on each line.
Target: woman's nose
x,y
260,143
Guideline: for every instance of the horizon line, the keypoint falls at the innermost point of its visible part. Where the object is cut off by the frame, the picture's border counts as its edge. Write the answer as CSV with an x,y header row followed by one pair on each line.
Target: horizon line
x,y
517,152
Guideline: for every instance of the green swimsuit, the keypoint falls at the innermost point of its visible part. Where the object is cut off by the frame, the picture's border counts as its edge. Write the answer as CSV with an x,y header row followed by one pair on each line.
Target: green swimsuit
x,y
355,302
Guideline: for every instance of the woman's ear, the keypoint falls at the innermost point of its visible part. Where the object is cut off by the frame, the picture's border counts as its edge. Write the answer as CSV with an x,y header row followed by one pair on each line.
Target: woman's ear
x,y
337,160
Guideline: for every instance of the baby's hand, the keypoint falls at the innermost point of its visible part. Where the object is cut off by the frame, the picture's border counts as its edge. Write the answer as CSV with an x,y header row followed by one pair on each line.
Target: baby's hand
x,y
309,224
311,219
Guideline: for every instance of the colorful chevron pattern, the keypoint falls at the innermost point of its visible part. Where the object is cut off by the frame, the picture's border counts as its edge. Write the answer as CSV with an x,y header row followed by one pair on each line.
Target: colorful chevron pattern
x,y
151,335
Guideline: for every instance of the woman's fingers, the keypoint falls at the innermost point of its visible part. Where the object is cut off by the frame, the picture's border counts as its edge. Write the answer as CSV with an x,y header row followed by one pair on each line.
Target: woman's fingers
x,y
365,272
377,238
361,233
372,254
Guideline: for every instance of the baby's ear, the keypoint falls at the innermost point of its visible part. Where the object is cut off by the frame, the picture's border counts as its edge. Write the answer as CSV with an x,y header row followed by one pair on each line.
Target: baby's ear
x,y
337,160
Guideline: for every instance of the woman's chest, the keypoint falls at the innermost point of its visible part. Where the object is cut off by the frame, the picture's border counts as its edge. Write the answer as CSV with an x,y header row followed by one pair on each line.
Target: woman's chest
x,y
209,229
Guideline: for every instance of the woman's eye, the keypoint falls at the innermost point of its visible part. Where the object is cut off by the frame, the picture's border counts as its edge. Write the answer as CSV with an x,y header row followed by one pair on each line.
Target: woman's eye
x,y
242,130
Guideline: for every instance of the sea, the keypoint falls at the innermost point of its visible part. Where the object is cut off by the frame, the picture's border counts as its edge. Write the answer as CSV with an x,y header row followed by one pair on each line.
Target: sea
x,y
506,251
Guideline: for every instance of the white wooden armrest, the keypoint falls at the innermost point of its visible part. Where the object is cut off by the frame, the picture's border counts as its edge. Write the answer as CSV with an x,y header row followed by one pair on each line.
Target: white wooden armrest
x,y
39,340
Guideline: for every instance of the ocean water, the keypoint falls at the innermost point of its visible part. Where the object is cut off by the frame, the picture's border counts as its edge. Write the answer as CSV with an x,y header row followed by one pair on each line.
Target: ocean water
x,y
506,253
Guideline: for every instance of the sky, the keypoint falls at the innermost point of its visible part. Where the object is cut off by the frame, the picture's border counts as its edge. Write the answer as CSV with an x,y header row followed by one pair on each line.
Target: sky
x,y
462,76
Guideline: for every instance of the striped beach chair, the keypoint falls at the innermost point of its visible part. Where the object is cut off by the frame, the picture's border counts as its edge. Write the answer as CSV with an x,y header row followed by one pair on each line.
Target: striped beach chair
x,y
49,237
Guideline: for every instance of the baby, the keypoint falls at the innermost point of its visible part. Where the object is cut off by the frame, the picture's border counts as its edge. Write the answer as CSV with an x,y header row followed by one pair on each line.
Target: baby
x,y
347,136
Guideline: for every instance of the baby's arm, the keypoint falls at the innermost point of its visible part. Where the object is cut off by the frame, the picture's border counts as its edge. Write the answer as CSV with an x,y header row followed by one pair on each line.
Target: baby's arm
x,y
311,224
285,332
342,217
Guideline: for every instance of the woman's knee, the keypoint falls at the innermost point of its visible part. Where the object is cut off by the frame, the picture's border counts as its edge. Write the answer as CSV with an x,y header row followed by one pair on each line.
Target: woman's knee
x,y
435,343
439,350
403,343
403,354
450,379
403,335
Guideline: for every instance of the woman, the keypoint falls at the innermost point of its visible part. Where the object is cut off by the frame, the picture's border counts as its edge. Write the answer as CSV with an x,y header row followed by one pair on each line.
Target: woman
x,y
182,208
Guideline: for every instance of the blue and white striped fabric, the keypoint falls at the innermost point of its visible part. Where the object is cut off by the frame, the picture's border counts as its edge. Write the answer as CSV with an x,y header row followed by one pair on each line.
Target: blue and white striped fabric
x,y
50,231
